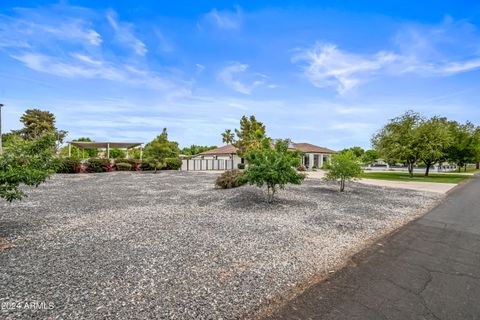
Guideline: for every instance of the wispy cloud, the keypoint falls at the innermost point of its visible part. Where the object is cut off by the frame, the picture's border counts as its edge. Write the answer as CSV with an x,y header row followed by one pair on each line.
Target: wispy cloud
x,y
237,77
325,65
226,19
83,66
63,41
29,30
124,33
441,50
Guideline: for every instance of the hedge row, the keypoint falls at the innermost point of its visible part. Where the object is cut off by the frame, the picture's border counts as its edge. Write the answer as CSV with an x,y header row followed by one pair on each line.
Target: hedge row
x,y
74,165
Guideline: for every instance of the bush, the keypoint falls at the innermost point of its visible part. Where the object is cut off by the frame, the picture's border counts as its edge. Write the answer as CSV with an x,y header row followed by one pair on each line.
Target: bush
x,y
302,168
122,166
146,166
26,163
98,165
136,165
173,163
273,167
230,179
69,165
343,167
116,153
241,166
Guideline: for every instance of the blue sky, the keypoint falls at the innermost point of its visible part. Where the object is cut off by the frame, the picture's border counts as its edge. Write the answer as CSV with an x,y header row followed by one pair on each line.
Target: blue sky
x,y
329,73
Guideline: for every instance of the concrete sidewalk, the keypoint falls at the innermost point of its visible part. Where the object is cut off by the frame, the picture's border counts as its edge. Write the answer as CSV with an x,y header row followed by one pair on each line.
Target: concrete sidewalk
x,y
412,185
430,269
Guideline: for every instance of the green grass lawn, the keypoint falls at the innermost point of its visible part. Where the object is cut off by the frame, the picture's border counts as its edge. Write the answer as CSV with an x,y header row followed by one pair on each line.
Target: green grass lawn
x,y
419,177
472,170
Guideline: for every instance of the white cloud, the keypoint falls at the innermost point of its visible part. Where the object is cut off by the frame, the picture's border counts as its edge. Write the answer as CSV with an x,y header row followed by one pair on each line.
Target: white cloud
x,y
237,77
200,67
441,50
29,30
76,30
125,35
163,43
225,19
83,66
456,67
326,65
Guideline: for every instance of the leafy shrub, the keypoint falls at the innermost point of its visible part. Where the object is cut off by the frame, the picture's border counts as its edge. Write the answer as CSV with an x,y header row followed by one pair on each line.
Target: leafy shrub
x,y
146,166
230,179
122,166
343,167
69,165
116,153
241,166
302,168
273,167
136,165
26,163
172,164
98,165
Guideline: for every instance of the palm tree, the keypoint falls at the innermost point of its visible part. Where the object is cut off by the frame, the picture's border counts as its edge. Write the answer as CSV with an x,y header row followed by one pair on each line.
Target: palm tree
x,y
228,136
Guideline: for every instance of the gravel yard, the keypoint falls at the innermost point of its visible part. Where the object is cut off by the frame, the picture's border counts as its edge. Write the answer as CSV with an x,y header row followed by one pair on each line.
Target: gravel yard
x,y
170,246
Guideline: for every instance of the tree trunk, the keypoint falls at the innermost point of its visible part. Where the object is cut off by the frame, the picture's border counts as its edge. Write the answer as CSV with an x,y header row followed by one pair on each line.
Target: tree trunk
x,y
410,169
478,165
465,168
427,170
342,185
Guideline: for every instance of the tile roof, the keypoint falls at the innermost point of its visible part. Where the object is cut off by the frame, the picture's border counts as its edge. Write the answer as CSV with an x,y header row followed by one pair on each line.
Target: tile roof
x,y
228,149
304,147
310,148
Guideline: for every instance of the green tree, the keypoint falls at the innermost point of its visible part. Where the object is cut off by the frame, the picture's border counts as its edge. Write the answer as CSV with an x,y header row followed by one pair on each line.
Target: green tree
x,y
10,138
250,136
272,166
343,167
399,139
477,147
157,151
79,153
194,149
358,151
464,147
433,141
38,122
135,153
117,153
28,163
370,156
228,136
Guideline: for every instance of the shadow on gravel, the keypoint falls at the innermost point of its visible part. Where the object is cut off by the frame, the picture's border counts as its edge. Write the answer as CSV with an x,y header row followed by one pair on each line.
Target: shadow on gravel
x,y
257,199
9,228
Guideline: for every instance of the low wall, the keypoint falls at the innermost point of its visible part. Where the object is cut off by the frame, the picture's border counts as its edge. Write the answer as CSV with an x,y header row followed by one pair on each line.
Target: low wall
x,y
209,164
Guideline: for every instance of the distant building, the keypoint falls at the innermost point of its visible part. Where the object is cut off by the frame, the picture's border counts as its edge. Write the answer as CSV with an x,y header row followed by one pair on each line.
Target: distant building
x,y
226,157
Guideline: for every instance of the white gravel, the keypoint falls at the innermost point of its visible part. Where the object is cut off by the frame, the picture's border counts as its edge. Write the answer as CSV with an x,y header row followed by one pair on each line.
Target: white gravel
x,y
169,246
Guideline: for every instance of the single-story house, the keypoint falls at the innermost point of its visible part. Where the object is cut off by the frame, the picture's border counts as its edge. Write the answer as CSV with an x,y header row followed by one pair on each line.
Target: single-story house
x,y
221,158
313,156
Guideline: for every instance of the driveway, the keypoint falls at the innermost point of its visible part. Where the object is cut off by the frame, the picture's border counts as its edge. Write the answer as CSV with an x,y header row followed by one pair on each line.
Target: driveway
x,y
430,269
441,188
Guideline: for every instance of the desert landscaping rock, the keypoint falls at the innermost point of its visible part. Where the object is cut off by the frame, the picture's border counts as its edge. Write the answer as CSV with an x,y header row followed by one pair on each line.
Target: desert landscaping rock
x,y
169,246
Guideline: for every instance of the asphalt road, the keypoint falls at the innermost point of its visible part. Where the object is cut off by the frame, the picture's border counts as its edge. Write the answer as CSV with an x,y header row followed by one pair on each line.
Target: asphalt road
x,y
430,269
